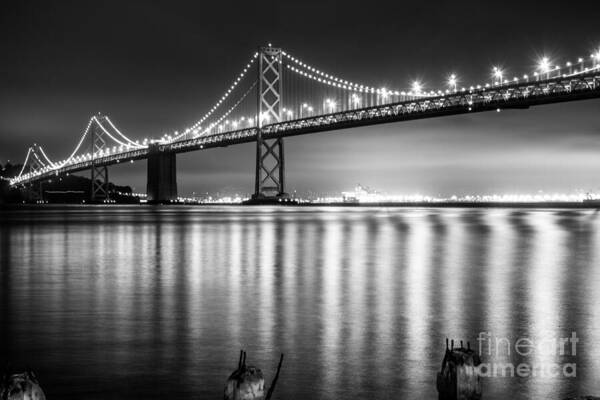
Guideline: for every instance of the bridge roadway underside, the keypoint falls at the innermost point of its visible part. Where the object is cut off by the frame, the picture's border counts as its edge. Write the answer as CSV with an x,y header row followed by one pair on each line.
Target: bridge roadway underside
x,y
162,176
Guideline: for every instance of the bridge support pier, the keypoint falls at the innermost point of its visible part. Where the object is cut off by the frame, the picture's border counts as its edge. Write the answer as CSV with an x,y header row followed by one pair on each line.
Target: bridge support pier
x,y
162,175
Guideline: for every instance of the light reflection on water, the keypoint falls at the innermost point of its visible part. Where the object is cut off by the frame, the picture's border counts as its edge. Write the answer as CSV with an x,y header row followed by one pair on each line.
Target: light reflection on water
x,y
136,302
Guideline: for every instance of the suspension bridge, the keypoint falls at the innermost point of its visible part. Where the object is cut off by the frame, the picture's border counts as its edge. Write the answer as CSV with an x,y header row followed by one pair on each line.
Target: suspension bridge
x,y
277,95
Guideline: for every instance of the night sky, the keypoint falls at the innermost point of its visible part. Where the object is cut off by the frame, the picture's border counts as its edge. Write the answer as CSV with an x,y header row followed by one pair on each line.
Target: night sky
x,y
158,66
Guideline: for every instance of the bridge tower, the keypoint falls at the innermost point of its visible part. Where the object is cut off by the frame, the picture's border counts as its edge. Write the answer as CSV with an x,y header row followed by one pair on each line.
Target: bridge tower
x,y
270,166
34,191
99,172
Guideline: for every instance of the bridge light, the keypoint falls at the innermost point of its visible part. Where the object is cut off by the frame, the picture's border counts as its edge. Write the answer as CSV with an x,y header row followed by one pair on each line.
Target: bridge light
x,y
330,105
416,87
544,65
266,117
384,93
452,82
498,73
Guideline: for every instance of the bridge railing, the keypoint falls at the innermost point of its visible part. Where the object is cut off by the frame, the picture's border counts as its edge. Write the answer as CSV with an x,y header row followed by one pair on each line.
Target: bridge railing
x,y
517,95
114,158
225,138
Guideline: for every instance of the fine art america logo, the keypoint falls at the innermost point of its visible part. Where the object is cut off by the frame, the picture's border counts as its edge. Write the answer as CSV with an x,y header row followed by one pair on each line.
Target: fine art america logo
x,y
543,356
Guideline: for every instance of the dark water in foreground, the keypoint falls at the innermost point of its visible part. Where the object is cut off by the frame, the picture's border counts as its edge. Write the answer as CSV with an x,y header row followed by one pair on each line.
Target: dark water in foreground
x,y
154,303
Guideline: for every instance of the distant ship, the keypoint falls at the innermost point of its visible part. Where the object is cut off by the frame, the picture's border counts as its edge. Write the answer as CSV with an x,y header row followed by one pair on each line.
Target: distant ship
x,y
591,201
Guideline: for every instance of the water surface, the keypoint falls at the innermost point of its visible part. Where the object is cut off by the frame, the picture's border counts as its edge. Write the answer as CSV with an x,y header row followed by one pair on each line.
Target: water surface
x,y
141,302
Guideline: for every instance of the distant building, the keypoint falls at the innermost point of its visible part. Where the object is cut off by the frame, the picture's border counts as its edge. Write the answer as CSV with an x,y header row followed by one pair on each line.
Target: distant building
x,y
361,194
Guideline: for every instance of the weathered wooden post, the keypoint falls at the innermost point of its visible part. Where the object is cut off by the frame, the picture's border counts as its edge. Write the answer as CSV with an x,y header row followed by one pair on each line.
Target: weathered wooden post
x,y
248,383
23,386
458,378
245,383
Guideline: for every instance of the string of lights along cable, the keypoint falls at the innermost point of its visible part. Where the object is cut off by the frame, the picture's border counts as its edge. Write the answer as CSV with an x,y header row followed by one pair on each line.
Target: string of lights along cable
x,y
310,99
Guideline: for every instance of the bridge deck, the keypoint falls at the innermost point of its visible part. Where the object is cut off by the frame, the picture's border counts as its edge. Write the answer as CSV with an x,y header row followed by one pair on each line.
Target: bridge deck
x,y
513,96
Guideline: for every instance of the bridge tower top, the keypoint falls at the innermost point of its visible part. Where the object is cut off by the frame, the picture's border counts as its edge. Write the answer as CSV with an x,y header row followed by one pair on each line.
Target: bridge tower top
x,y
269,85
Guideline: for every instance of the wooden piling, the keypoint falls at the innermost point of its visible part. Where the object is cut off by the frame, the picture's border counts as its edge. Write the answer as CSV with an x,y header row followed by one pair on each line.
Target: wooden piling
x,y
248,383
245,383
458,378
24,386
272,388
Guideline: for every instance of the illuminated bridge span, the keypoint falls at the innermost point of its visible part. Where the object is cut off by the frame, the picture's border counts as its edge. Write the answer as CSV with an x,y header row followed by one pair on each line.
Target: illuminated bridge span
x,y
277,95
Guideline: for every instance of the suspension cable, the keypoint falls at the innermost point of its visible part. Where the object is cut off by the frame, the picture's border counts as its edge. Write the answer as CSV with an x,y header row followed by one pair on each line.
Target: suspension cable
x,y
121,134
38,158
46,157
193,128
226,114
78,144
107,132
25,163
